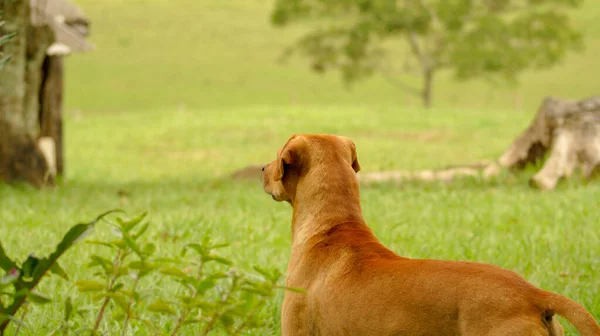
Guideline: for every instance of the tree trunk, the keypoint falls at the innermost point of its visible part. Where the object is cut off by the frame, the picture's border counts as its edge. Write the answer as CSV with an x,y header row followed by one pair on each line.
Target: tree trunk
x,y
426,94
20,156
569,131
51,106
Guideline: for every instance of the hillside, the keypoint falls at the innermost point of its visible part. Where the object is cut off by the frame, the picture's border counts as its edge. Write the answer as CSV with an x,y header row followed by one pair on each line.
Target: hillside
x,y
204,54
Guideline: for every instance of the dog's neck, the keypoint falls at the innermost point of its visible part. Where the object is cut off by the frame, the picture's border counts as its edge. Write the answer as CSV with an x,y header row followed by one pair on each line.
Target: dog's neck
x,y
322,202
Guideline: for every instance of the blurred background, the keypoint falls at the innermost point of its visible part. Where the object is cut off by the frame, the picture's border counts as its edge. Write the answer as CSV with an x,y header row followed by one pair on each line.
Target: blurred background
x,y
214,70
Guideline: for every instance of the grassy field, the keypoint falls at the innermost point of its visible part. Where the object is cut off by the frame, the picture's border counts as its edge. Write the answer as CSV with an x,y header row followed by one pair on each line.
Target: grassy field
x,y
179,94
159,53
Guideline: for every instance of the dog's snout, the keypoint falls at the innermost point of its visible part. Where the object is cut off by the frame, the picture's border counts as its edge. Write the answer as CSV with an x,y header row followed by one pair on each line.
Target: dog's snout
x,y
263,168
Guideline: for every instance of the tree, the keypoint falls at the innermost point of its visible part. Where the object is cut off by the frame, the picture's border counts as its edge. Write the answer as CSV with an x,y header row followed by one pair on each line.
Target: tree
x,y
20,155
490,39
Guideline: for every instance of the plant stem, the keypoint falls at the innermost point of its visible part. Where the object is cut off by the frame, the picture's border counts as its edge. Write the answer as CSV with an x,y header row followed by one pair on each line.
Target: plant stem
x,y
185,314
250,315
223,301
20,324
180,321
107,299
129,304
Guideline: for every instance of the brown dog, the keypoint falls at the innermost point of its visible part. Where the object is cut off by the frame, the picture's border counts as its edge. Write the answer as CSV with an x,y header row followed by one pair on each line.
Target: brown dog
x,y
356,286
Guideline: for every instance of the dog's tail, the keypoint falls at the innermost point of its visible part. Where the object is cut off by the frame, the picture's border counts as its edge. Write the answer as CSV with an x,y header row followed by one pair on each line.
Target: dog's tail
x,y
572,311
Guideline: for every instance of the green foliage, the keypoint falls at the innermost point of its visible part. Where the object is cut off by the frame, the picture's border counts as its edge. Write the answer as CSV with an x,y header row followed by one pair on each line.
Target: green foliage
x,y
473,39
20,281
211,294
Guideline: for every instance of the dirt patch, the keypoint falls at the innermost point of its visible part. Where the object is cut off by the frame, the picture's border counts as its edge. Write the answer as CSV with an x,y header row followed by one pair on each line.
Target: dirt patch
x,y
251,172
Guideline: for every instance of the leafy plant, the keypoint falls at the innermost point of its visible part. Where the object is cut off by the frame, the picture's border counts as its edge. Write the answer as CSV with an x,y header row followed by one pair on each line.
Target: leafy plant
x,y
20,280
212,294
112,288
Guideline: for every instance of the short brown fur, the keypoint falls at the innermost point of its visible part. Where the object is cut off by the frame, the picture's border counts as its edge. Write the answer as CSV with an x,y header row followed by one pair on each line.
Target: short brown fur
x,y
356,286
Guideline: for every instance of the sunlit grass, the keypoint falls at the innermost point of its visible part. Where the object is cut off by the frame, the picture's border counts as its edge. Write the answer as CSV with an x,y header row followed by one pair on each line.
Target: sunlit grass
x,y
175,164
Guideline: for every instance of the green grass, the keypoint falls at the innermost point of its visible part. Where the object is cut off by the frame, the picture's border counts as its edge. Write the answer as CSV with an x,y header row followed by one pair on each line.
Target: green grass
x,y
179,94
175,164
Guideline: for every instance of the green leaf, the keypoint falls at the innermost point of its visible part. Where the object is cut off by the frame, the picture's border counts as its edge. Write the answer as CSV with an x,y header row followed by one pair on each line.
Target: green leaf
x,y
269,275
38,298
161,307
6,38
140,265
292,289
205,285
248,300
120,300
143,268
75,234
191,321
172,271
116,287
106,264
218,259
199,303
227,320
149,249
29,266
259,291
68,308
90,286
218,275
200,249
141,231
5,262
58,270
98,242
132,245
120,244
130,224
218,246
167,260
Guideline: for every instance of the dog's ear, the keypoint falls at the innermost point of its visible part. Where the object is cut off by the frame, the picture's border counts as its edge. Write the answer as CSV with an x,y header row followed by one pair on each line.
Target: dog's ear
x,y
354,157
355,164
287,156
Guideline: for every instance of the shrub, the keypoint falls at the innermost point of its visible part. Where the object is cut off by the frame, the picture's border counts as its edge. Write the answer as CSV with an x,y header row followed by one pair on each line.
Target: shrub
x,y
20,280
210,294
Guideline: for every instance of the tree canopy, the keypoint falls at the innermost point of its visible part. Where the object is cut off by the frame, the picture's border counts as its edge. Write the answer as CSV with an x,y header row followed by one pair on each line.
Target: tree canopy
x,y
491,39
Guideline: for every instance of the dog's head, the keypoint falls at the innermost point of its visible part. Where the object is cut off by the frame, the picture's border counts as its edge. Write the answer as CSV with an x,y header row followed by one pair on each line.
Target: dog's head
x,y
303,154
